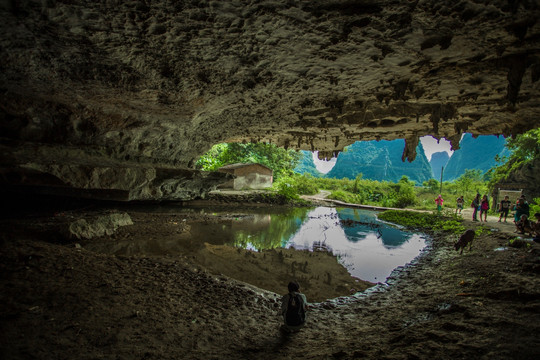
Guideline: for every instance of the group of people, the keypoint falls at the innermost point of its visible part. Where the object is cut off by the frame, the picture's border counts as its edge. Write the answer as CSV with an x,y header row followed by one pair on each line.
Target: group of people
x,y
521,218
480,204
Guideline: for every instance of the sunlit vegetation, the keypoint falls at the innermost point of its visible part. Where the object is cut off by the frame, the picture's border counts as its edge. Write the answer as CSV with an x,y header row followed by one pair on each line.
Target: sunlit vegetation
x,y
525,148
402,194
281,161
438,222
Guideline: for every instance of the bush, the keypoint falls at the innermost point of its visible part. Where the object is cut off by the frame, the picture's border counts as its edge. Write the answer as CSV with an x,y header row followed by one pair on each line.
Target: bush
x,y
286,188
305,185
404,196
344,196
426,221
534,206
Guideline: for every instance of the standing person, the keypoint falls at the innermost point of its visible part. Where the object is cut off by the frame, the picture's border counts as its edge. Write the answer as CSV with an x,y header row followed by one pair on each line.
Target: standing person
x,y
484,207
459,204
439,201
475,205
293,308
522,208
504,207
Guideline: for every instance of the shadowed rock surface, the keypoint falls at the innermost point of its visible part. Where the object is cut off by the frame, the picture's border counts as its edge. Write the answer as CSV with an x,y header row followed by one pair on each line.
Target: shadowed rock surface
x,y
158,83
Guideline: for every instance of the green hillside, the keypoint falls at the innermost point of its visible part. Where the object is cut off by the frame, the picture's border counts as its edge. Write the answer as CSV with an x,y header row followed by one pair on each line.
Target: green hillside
x,y
380,160
438,160
306,165
474,153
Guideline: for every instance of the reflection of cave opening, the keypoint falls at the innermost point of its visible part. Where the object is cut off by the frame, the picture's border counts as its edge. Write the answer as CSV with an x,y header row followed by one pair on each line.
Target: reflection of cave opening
x,y
368,249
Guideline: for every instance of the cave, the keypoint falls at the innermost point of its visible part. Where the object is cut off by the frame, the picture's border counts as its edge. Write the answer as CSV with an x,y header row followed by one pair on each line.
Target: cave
x,y
116,100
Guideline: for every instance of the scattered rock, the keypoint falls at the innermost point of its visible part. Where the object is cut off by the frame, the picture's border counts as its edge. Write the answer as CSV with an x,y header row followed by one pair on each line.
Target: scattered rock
x,y
92,227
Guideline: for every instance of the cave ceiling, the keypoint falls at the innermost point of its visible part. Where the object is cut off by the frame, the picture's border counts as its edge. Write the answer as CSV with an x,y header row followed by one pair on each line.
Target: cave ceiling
x,y
97,90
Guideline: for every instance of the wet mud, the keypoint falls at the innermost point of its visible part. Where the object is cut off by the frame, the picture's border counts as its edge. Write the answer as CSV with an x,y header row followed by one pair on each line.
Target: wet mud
x,y
60,300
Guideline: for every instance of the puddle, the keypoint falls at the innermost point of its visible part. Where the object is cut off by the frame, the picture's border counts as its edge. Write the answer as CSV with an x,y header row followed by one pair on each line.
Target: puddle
x,y
368,248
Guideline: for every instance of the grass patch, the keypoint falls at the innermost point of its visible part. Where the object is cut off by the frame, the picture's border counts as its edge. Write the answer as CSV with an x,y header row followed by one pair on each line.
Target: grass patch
x,y
430,222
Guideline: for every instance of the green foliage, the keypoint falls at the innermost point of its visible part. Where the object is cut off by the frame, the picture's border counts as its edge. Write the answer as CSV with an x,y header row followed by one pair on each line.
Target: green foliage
x,y
470,180
432,185
281,161
426,221
305,185
481,230
345,197
524,147
402,194
409,219
534,206
286,187
292,185
452,226
212,160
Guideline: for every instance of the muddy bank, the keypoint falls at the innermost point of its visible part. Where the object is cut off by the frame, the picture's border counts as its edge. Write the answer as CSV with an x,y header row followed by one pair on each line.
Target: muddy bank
x,y
321,275
63,301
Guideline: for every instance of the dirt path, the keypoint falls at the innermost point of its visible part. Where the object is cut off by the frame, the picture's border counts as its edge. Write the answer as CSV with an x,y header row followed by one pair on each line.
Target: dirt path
x,y
492,220
62,301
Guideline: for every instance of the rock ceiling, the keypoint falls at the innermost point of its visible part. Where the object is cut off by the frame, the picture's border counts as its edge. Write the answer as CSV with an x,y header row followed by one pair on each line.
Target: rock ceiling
x,y
97,91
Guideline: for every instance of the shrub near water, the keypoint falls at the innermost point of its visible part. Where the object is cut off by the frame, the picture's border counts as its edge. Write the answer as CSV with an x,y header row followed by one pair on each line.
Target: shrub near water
x,y
291,186
448,223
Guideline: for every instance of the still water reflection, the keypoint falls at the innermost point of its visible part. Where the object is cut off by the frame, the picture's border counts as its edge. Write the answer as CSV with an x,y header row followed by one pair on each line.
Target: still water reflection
x,y
368,248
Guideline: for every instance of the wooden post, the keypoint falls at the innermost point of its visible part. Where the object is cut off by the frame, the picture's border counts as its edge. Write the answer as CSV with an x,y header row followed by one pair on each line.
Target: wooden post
x,y
442,170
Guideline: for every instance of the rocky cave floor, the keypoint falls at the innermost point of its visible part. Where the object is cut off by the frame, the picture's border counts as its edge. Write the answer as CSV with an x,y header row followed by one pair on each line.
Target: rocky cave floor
x,y
61,301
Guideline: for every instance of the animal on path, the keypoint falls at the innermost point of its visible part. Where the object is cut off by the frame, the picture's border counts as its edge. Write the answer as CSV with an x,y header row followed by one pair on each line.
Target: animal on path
x,y
466,238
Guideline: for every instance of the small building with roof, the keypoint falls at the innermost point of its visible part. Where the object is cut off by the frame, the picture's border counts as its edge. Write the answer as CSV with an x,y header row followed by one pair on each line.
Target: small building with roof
x,y
248,176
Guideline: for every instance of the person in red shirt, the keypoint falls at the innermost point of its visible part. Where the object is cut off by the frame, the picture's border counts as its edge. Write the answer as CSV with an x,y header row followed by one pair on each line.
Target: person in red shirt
x,y
439,201
484,207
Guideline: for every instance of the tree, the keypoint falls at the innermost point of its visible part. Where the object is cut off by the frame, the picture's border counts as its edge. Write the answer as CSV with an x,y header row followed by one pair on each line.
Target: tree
x,y
404,179
524,147
356,186
281,161
469,180
431,184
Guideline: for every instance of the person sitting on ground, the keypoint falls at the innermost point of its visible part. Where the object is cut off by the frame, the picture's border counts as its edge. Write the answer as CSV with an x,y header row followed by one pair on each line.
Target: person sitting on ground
x,y
459,204
293,308
504,207
484,207
536,228
524,225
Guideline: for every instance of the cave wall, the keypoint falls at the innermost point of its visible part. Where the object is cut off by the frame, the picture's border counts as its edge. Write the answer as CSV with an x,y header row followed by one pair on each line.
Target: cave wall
x,y
154,84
